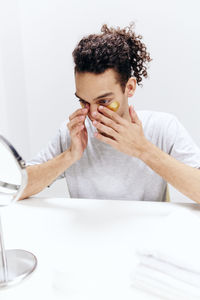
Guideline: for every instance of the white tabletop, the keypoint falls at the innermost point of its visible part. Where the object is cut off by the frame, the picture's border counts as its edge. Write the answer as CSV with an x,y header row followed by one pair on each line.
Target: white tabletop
x,y
85,248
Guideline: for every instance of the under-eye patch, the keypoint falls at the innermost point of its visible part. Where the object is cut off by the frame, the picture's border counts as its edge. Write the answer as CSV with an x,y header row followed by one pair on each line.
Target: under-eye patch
x,y
113,106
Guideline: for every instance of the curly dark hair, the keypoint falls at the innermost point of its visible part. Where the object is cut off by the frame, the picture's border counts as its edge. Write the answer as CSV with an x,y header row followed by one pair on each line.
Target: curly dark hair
x,y
119,49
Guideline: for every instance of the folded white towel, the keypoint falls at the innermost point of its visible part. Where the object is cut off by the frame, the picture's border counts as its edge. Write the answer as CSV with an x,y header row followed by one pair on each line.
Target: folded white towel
x,y
170,257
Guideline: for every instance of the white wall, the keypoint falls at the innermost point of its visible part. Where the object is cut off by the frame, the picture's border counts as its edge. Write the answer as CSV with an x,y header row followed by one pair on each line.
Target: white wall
x,y
36,42
14,123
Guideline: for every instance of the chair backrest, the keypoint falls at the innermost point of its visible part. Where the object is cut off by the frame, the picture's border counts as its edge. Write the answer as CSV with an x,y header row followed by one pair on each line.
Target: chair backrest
x,y
167,199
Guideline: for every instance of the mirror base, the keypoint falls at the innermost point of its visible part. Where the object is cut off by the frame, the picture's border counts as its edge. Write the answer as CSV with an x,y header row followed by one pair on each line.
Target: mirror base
x,y
20,264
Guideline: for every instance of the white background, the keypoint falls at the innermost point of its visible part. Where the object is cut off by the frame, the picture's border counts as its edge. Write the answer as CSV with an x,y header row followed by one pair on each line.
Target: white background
x,y
36,68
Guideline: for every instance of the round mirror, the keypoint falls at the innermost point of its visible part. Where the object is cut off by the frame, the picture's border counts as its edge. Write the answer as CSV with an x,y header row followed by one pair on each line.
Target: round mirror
x,y
15,265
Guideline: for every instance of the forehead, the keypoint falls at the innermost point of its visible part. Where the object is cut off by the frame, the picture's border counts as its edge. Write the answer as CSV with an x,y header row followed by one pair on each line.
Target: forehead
x,y
91,85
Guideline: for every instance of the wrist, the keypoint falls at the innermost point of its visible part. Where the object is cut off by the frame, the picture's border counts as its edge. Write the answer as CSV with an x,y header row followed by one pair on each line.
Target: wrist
x,y
69,156
73,155
145,151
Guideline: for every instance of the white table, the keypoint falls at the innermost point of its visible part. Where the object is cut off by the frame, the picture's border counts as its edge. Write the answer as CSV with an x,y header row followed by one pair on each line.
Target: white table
x,y
85,248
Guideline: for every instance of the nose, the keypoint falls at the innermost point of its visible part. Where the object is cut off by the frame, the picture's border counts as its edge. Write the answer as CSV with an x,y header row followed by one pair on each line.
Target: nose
x,y
93,108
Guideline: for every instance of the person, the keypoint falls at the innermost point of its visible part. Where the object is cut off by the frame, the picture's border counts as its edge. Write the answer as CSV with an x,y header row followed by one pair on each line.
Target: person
x,y
123,154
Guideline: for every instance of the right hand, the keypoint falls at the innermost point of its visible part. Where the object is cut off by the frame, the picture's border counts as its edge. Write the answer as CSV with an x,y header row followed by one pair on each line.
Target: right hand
x,y
78,133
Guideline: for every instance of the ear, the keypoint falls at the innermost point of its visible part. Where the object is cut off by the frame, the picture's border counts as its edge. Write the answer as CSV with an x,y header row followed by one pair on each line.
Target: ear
x,y
130,87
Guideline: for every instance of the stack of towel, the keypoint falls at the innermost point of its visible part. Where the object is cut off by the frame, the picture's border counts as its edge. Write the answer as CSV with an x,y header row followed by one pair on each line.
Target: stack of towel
x,y
169,262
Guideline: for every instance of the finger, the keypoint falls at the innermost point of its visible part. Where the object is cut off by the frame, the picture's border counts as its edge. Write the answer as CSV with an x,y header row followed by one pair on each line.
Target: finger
x,y
105,139
77,120
112,115
78,112
134,116
77,129
105,129
106,121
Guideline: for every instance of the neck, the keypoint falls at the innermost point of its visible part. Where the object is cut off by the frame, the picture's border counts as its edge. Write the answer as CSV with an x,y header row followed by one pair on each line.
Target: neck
x,y
126,115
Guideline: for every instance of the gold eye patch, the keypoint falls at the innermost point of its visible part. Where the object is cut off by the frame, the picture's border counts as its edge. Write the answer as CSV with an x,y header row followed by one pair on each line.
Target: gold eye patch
x,y
82,104
114,106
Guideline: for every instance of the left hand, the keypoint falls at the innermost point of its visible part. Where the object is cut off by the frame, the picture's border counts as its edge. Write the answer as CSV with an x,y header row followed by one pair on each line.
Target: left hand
x,y
125,136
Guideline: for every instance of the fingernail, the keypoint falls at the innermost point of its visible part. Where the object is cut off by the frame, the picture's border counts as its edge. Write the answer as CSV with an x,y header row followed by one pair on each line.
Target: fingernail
x,y
101,107
94,114
84,110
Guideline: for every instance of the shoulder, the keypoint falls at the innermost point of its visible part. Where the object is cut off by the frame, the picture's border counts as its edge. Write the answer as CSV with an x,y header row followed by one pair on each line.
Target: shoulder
x,y
158,125
155,117
156,120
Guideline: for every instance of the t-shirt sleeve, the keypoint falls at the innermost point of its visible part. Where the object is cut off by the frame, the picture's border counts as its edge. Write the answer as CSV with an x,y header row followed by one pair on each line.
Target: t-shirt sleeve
x,y
181,145
55,146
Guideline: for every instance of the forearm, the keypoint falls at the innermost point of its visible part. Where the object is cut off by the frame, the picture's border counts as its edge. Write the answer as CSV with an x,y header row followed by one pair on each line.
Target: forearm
x,y
40,176
184,178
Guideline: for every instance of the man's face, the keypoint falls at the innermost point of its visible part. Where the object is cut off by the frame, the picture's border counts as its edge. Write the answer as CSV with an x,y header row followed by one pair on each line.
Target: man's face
x,y
100,89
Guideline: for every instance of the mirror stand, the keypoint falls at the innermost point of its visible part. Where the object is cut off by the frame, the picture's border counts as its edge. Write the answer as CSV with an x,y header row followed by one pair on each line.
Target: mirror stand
x,y
15,264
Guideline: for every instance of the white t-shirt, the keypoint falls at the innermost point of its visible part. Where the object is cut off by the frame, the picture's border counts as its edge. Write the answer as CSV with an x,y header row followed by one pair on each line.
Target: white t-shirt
x,y
105,173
